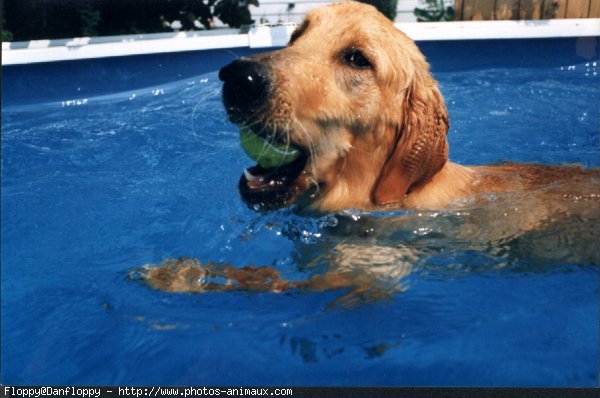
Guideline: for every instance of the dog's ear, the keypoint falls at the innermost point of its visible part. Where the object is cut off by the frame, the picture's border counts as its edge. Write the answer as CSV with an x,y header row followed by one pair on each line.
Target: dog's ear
x,y
420,148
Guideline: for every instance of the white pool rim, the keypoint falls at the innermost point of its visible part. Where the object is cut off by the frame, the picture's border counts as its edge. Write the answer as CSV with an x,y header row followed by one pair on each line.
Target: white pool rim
x,y
265,36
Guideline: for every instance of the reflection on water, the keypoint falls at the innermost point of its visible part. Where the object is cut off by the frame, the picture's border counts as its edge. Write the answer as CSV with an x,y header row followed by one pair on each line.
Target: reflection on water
x,y
472,296
370,256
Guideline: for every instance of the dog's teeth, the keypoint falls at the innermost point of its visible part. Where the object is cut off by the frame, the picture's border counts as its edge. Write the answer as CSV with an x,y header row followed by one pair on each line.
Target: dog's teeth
x,y
249,176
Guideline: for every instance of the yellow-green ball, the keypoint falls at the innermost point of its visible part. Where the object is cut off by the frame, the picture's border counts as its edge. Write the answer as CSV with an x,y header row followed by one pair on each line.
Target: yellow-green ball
x,y
265,153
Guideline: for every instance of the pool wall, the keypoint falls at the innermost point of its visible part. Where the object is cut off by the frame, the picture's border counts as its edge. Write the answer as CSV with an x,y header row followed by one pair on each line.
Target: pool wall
x,y
124,63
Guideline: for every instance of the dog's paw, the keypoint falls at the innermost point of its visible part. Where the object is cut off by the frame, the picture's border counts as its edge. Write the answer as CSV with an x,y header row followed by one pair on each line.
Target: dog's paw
x,y
187,275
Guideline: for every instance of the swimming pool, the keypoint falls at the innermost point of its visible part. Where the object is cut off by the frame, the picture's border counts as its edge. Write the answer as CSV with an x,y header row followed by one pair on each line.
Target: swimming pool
x,y
108,164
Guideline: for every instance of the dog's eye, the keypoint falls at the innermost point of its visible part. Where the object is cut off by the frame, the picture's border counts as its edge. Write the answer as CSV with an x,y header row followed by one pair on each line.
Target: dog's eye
x,y
356,59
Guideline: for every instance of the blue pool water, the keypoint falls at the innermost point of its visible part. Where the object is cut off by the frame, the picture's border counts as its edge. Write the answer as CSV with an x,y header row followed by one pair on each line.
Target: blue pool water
x,y
109,165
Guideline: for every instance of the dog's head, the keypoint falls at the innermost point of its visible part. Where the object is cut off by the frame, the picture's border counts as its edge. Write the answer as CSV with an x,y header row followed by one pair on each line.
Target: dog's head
x,y
355,95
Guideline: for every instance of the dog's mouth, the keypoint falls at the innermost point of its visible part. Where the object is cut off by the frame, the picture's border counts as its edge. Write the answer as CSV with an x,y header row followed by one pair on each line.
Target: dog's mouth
x,y
273,182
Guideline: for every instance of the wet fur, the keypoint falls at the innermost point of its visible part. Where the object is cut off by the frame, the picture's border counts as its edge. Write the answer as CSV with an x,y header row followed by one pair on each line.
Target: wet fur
x,y
377,136
377,140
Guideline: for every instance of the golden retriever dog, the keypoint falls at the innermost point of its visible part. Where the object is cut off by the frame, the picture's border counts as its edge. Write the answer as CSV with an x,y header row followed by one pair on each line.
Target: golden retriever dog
x,y
356,97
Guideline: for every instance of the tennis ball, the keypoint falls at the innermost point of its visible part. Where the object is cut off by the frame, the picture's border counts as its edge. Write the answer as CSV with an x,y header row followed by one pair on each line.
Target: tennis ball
x,y
265,153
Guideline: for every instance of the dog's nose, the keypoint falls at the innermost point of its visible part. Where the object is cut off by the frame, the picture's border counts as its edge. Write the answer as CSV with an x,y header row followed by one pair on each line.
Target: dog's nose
x,y
246,83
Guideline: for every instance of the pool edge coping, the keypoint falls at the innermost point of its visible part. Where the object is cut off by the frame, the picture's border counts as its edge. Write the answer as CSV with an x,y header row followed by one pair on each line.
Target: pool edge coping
x,y
265,36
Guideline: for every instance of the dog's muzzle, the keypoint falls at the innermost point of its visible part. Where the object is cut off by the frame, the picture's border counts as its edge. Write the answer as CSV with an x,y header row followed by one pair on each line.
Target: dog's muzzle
x,y
246,88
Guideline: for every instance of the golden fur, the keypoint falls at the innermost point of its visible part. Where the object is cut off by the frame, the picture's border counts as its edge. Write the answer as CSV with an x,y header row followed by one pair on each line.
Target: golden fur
x,y
376,135
376,138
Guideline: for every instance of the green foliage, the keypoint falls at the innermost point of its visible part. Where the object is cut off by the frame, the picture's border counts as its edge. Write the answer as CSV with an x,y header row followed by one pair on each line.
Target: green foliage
x,y
189,11
52,19
234,13
434,10
386,7
6,34
89,20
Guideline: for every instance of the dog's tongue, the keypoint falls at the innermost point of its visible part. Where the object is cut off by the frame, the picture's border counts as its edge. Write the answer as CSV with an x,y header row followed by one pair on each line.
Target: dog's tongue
x,y
259,178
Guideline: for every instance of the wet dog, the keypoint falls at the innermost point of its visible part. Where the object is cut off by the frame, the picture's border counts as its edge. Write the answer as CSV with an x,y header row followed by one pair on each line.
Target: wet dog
x,y
356,97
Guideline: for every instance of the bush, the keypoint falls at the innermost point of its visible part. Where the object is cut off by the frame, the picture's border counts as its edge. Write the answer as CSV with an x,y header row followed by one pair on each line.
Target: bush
x,y
52,19
234,13
386,7
6,34
434,10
